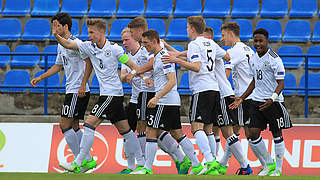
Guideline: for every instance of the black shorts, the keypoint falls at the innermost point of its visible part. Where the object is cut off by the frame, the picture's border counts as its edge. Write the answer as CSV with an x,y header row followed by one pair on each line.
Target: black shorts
x,y
225,116
204,106
275,115
242,113
109,107
75,106
143,99
131,112
164,117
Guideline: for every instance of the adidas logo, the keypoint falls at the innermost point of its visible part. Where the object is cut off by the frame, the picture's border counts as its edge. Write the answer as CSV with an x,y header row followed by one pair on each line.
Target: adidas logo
x,y
161,125
104,116
199,118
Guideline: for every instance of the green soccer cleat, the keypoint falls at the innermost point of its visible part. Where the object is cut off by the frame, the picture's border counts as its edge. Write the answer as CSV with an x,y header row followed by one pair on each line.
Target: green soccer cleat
x,y
212,168
71,167
268,169
276,173
143,171
139,167
88,165
222,169
184,166
197,170
177,165
125,171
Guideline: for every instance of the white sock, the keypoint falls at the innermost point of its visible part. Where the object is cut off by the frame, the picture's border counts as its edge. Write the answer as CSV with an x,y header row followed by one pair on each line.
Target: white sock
x,y
142,140
131,161
86,143
203,144
72,141
257,154
279,149
226,156
188,149
151,150
236,150
79,134
133,146
166,140
212,144
218,143
262,150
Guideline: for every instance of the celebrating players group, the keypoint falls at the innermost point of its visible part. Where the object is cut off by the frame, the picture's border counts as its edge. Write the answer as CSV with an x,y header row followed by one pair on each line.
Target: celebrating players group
x,y
154,108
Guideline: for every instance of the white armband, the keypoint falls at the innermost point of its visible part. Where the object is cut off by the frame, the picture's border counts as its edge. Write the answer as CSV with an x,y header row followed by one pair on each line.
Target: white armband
x,y
133,72
274,96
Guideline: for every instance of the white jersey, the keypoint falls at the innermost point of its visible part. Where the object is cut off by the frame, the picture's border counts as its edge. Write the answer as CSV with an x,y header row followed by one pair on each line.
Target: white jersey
x,y
206,51
105,65
240,54
136,81
73,65
266,71
142,57
224,84
160,80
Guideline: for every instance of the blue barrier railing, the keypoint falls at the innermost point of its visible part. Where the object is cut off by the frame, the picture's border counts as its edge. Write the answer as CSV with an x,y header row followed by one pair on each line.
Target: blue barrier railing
x,y
45,88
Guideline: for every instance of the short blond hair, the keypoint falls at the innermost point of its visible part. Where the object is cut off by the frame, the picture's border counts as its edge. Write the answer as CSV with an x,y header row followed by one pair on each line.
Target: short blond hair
x,y
197,22
99,23
125,30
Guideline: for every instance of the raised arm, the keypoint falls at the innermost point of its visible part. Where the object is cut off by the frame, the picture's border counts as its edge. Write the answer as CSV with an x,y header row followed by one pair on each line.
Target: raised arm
x,y
65,43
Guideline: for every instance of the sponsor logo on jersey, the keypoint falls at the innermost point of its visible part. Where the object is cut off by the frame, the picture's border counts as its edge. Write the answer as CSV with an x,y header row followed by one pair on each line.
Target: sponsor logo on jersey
x,y
167,66
194,56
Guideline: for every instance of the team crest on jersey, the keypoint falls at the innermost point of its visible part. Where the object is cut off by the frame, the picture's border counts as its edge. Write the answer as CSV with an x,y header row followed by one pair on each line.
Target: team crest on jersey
x,y
140,59
266,64
107,53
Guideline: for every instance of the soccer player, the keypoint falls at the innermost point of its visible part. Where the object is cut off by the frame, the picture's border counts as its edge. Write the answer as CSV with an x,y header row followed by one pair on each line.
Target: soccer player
x,y
164,107
165,141
240,55
202,53
104,56
77,71
225,119
135,52
267,72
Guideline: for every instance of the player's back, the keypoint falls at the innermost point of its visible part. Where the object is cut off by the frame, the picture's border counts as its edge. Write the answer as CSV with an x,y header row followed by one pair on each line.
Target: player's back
x,y
205,51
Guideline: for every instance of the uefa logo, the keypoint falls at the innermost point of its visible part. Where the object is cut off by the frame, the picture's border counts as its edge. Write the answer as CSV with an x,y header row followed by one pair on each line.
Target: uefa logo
x,y
99,151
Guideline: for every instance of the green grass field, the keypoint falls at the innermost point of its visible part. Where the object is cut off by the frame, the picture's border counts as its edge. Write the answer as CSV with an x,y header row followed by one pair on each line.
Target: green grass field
x,y
56,176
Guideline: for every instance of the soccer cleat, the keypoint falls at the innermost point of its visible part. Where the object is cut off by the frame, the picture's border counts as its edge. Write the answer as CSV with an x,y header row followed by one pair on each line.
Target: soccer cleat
x,y
184,166
197,170
245,171
142,171
139,167
222,169
267,170
177,165
212,168
125,171
71,167
275,173
88,165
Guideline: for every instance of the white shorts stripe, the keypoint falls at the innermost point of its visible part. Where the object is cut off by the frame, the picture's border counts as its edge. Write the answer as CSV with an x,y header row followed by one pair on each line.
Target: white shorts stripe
x,y
286,116
73,104
224,111
158,116
103,106
240,115
143,105
194,107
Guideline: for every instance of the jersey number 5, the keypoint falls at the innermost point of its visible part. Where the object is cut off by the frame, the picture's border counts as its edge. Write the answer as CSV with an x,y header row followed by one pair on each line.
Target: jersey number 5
x,y
210,68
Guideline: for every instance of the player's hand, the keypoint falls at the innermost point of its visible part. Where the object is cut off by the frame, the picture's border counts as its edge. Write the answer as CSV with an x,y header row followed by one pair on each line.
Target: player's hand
x,y
169,59
236,103
149,82
82,91
54,27
129,78
153,102
172,53
264,106
35,81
